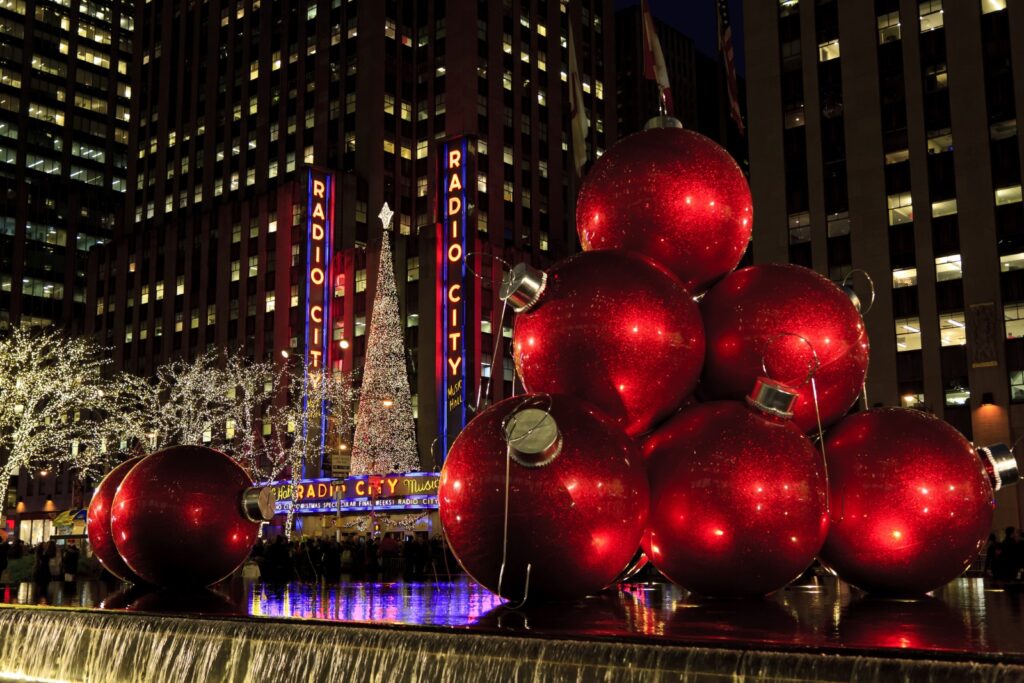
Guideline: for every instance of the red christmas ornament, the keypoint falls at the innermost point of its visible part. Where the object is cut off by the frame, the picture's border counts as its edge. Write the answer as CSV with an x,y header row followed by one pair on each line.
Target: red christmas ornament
x,y
98,522
766,312
187,516
611,328
911,502
738,499
577,498
672,195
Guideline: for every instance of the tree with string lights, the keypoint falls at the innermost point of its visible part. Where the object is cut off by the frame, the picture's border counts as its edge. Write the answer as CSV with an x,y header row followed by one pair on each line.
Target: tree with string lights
x,y
53,396
385,437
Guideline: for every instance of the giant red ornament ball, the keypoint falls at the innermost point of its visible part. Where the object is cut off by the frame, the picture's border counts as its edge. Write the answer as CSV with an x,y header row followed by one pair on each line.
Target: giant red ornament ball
x,y
761,312
672,195
177,518
738,500
98,522
576,520
616,330
911,502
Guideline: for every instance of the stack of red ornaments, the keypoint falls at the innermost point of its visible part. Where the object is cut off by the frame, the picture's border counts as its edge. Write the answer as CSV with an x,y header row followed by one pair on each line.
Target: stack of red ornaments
x,y
713,402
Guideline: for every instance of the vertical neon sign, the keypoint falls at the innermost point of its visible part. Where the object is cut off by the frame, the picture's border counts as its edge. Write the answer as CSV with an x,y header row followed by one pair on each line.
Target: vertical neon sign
x,y
319,238
453,290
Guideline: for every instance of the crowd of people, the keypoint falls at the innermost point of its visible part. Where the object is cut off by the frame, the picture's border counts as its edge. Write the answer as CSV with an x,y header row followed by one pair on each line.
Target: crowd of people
x,y
360,557
1004,559
49,562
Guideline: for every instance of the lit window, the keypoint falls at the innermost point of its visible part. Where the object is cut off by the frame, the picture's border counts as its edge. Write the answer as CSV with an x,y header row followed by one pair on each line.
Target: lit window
x,y
901,209
270,301
889,27
179,287
254,267
911,400
1009,262
904,277
799,227
908,334
899,156
828,51
940,141
989,6
412,272
1017,386
1008,195
1013,317
360,280
952,329
931,15
946,207
957,395
948,268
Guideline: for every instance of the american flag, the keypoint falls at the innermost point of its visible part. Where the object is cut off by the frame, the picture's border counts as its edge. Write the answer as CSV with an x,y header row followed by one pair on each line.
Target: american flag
x,y
654,60
725,46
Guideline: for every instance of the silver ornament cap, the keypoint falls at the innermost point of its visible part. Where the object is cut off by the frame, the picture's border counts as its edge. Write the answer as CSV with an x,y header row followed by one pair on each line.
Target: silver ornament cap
x,y
533,437
663,122
258,504
523,286
1000,465
773,398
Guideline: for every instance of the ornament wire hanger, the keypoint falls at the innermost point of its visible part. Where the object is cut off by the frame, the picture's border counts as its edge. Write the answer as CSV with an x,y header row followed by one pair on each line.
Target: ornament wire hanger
x,y
846,285
812,368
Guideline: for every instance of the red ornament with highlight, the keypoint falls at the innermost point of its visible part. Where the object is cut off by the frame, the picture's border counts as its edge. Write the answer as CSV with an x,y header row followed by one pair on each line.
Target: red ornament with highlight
x,y
911,502
672,195
576,509
761,312
177,518
98,522
738,500
614,329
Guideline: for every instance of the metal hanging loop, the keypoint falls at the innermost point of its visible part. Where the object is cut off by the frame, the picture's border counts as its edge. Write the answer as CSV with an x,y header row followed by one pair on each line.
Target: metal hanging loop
x,y
848,288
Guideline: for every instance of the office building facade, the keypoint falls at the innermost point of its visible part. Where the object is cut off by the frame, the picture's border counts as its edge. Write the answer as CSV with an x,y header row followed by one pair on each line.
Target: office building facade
x,y
242,107
883,137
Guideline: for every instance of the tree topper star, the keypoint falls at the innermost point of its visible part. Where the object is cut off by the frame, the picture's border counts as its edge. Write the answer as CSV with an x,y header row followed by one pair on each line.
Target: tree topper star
x,y
385,216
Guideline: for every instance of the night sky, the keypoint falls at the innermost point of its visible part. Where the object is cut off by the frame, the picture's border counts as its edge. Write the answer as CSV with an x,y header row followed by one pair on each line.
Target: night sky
x,y
696,19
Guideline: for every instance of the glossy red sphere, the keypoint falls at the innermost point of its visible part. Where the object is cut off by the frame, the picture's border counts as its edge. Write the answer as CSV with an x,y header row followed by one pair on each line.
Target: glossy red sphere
x,y
672,195
616,330
737,500
577,521
177,517
755,312
98,522
911,503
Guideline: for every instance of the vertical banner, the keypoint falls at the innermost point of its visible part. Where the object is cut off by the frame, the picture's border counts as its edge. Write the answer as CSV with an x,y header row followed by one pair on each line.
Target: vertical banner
x,y
455,179
319,238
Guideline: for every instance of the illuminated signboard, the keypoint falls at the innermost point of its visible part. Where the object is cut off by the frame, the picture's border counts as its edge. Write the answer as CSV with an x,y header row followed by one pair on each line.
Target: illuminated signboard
x,y
388,493
454,289
319,233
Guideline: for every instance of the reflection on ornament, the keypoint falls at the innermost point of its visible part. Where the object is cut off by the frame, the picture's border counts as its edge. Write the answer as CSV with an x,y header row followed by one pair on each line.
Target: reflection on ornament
x,y
672,195
611,328
576,498
187,516
98,522
911,502
738,500
770,317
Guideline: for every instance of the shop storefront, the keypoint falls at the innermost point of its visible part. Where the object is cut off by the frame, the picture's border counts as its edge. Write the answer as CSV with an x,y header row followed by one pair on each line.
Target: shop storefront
x,y
359,506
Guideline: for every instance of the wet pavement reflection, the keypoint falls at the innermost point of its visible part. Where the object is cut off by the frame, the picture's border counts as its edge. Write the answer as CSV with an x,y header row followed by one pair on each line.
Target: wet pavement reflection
x,y
969,615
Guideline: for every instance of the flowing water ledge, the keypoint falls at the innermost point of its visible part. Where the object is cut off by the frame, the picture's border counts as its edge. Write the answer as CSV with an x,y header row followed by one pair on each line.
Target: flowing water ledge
x,y
54,644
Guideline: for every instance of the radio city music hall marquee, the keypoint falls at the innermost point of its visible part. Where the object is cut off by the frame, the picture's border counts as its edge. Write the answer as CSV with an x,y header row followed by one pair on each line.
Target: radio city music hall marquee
x,y
454,289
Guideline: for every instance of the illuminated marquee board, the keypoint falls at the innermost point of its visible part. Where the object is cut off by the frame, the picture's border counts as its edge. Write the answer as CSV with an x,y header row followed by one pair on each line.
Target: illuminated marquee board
x,y
454,288
392,492
319,232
